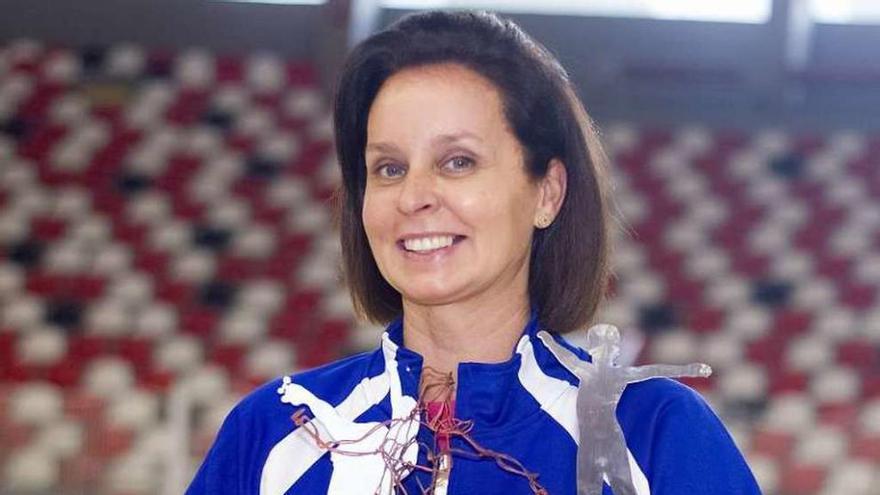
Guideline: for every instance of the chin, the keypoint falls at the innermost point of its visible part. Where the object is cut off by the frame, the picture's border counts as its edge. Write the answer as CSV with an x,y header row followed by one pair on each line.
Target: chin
x,y
430,294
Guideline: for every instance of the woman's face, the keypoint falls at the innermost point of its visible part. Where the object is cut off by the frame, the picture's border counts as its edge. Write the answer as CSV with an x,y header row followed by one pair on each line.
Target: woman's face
x,y
448,208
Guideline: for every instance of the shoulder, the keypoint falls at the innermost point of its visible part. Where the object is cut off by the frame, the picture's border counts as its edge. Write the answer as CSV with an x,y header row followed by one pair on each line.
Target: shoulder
x,y
663,395
665,406
680,441
260,421
330,382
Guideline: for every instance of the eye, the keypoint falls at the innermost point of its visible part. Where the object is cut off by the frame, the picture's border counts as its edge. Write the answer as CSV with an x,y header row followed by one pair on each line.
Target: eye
x,y
390,170
458,164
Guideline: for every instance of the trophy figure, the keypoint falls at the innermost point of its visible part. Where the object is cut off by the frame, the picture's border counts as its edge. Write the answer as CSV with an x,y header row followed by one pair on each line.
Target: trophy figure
x,y
602,453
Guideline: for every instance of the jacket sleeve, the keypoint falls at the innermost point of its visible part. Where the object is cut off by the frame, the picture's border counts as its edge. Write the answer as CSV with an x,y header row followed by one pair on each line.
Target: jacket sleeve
x,y
234,464
223,470
692,452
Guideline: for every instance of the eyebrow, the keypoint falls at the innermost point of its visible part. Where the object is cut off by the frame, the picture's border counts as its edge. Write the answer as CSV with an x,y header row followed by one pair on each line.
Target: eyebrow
x,y
441,139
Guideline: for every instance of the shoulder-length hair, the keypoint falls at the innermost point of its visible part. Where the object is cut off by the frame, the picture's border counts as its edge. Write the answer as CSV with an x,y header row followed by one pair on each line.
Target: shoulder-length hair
x,y
569,266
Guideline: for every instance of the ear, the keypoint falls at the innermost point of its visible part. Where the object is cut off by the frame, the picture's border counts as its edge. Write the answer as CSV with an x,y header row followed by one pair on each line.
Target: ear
x,y
551,193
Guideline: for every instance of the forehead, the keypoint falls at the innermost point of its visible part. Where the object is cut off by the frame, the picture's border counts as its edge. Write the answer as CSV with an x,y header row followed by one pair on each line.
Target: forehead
x,y
437,98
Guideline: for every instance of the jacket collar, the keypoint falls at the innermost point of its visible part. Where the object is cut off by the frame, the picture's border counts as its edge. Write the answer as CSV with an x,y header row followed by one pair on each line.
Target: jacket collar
x,y
491,395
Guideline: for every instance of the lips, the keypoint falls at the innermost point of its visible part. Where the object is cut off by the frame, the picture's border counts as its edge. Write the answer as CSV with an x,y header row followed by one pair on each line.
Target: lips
x,y
428,243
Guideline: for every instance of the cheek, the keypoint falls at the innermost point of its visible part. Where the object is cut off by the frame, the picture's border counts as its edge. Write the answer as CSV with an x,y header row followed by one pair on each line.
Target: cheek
x,y
375,217
370,217
478,209
519,213
505,217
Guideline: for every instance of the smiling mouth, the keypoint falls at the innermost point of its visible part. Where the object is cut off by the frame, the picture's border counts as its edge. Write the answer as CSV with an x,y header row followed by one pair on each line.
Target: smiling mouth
x,y
429,244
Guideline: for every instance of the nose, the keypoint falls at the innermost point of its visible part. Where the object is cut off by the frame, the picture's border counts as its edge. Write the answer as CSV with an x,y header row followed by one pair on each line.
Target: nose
x,y
418,191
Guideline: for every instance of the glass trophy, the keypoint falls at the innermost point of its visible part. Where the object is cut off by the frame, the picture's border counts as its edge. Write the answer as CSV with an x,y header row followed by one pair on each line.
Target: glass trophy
x,y
602,452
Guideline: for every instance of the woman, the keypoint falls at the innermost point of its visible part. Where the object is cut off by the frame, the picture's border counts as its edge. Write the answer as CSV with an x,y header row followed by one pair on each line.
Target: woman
x,y
473,215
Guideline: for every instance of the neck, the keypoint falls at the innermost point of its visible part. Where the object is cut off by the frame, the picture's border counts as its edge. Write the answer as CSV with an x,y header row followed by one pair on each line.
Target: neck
x,y
484,331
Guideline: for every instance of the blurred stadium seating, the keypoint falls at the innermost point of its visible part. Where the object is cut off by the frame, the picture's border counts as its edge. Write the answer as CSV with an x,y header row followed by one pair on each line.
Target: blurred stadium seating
x,y
758,253
165,225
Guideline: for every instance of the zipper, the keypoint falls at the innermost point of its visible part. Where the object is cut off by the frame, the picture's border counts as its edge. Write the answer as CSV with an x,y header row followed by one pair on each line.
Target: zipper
x,y
441,481
439,402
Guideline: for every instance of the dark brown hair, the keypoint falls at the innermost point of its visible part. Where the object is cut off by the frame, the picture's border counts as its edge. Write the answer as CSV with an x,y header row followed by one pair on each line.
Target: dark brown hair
x,y
569,265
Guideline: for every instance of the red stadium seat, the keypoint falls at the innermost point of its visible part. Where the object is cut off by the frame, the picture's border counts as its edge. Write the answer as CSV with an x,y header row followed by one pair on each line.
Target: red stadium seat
x,y
774,444
802,479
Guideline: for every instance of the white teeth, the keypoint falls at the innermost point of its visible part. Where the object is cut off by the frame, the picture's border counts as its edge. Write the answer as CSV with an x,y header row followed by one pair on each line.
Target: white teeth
x,y
428,243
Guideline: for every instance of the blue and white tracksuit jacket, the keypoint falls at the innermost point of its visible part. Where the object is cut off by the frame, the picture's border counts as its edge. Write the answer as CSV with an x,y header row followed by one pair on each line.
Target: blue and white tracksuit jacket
x,y
524,407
